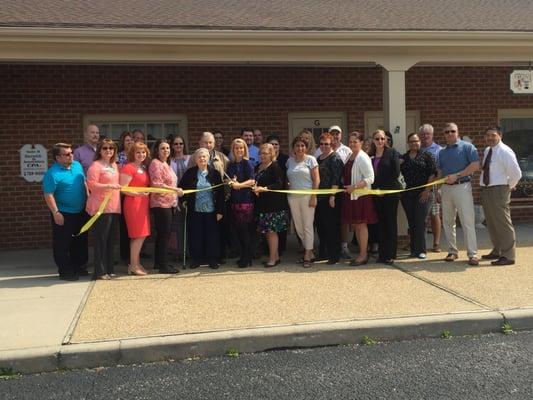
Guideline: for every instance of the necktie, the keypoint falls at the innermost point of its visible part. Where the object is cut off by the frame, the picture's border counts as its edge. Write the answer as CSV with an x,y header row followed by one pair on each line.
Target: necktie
x,y
486,168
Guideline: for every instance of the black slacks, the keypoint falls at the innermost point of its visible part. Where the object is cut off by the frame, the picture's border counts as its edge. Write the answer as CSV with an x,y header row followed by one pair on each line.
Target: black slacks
x,y
203,236
103,234
416,212
327,221
71,252
387,226
163,225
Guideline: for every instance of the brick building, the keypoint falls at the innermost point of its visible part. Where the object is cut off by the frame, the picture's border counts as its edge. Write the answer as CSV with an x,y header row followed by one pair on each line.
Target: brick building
x,y
269,65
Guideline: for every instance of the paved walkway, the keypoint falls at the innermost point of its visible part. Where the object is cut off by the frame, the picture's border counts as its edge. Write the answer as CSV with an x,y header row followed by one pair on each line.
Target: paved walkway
x,y
202,312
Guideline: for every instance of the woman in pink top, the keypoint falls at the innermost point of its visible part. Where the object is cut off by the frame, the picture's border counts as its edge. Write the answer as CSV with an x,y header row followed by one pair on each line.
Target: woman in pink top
x,y
102,178
136,205
162,176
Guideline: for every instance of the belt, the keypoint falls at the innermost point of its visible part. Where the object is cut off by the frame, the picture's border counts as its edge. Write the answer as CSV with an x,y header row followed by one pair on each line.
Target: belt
x,y
459,182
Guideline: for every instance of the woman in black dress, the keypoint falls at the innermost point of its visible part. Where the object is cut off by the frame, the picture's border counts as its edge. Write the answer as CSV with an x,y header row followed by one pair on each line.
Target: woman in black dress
x,y
418,168
271,207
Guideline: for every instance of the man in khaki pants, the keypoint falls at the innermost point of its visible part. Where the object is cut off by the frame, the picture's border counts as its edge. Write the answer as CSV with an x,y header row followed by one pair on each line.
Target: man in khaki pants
x,y
500,175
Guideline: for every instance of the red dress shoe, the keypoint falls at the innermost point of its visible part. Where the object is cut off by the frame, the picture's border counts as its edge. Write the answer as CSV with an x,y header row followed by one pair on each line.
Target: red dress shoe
x,y
503,261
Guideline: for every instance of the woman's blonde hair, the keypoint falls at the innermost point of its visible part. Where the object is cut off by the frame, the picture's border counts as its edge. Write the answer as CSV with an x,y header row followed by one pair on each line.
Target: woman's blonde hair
x,y
241,142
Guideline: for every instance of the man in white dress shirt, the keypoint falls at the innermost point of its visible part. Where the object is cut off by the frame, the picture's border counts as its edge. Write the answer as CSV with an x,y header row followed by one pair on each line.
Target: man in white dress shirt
x,y
499,176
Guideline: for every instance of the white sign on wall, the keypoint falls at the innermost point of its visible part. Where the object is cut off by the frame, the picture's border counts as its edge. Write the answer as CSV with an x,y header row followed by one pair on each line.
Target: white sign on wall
x,y
33,162
521,81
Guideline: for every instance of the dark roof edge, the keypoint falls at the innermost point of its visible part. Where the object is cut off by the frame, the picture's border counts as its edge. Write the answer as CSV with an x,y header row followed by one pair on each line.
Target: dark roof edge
x,y
234,28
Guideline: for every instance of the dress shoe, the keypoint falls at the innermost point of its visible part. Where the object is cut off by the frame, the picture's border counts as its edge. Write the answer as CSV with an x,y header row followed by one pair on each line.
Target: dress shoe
x,y
136,270
213,266
103,277
69,277
490,256
503,261
473,261
390,261
82,272
194,266
168,270
355,263
333,261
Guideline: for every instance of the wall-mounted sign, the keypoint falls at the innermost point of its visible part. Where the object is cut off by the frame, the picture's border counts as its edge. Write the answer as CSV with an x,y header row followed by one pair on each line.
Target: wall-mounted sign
x,y
521,81
33,162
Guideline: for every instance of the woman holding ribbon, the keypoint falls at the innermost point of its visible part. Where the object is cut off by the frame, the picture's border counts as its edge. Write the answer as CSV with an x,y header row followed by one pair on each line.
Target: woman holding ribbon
x,y
386,164
162,176
418,168
358,211
327,215
204,209
103,180
241,172
302,174
136,204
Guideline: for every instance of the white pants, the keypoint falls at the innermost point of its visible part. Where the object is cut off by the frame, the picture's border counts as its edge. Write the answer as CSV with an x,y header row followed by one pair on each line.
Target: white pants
x,y
303,217
457,199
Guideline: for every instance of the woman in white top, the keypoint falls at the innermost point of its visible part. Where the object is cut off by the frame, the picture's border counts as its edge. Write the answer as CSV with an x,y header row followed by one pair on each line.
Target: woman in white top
x,y
302,173
358,211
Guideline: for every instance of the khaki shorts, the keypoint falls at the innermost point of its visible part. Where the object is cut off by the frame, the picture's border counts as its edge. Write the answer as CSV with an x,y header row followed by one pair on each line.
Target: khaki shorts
x,y
434,206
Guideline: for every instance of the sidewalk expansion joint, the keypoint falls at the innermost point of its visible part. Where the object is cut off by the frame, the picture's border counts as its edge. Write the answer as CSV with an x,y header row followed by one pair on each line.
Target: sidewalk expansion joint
x,y
447,290
77,316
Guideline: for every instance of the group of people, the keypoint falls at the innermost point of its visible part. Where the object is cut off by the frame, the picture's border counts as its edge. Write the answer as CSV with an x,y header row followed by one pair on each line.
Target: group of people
x,y
236,201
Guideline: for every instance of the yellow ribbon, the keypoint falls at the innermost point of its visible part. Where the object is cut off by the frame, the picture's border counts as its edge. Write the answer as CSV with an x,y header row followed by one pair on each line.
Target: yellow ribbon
x,y
135,189
358,192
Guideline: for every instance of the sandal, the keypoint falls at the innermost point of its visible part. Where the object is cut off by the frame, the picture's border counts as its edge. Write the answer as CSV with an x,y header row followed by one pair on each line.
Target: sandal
x,y
451,257
436,248
307,263
302,260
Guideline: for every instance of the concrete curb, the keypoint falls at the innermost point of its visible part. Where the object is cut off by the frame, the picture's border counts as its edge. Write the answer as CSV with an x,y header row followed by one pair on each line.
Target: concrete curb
x,y
128,351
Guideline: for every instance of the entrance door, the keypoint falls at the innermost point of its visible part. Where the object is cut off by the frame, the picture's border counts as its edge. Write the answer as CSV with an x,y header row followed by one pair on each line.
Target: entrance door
x,y
315,122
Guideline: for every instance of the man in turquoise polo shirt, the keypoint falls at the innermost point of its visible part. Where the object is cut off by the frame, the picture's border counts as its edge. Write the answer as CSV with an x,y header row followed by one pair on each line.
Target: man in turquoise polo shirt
x,y
65,195
457,162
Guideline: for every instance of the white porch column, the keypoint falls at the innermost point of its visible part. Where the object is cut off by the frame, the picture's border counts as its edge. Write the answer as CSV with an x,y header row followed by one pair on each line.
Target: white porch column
x,y
394,115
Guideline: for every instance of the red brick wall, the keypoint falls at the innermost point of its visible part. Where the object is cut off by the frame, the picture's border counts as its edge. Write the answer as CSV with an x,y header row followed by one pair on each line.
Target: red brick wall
x,y
46,104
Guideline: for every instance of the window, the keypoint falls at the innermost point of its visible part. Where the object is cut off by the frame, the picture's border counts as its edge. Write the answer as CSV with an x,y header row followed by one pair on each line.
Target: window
x,y
154,126
517,127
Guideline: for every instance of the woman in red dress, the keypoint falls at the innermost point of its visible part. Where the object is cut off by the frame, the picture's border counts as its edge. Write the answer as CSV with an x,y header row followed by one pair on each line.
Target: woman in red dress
x,y
136,205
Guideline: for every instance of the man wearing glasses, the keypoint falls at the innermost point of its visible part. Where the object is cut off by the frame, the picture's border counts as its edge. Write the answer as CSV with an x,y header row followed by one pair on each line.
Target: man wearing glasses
x,y
457,162
65,195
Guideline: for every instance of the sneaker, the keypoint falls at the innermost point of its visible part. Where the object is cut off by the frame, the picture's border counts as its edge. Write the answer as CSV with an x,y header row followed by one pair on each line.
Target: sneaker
x,y
422,256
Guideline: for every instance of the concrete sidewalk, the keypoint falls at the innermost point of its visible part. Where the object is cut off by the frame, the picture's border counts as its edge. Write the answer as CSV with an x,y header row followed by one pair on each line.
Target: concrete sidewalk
x,y
49,324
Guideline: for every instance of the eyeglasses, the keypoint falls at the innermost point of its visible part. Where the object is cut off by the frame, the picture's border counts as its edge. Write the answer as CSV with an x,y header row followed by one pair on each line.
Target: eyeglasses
x,y
177,144
108,148
66,154
325,144
380,138
450,131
